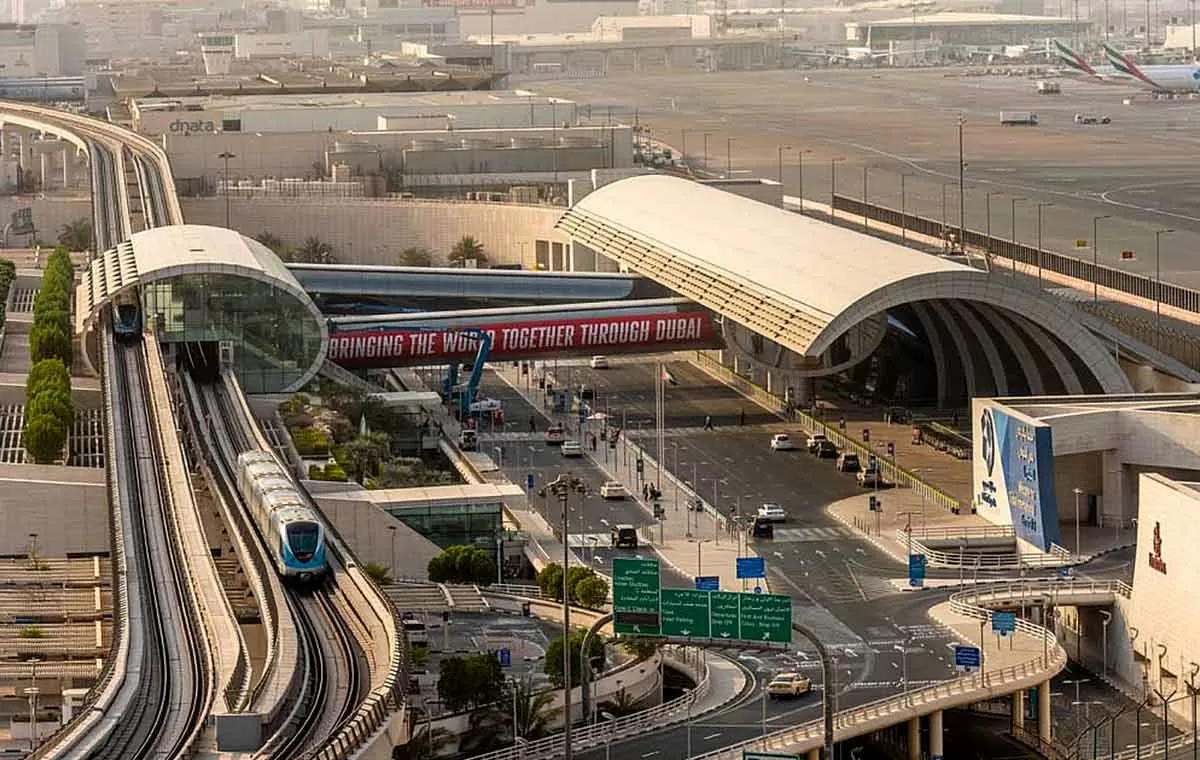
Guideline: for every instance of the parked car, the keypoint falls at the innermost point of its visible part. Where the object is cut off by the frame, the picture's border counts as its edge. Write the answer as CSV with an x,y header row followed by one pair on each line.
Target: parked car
x,y
788,685
870,477
612,490
826,450
848,462
468,440
624,536
598,362
899,415
782,442
572,449
555,435
815,440
772,512
761,528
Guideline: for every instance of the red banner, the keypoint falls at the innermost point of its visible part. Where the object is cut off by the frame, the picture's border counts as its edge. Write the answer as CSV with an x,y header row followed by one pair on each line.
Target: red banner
x,y
518,340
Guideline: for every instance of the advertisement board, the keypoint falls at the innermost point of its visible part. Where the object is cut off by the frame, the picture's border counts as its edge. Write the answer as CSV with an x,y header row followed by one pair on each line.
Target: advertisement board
x,y
1013,472
515,340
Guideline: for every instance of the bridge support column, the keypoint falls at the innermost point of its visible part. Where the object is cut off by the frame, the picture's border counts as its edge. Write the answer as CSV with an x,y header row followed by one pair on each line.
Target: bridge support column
x,y
1044,729
1018,709
42,167
936,749
66,168
914,739
813,754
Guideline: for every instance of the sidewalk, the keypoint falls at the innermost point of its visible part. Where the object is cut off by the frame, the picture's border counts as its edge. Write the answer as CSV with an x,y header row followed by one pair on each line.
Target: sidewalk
x,y
999,652
691,543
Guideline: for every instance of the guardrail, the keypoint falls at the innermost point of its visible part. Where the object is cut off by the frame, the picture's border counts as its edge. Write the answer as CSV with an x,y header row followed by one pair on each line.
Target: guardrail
x,y
891,471
1057,556
596,735
966,531
1014,593
887,711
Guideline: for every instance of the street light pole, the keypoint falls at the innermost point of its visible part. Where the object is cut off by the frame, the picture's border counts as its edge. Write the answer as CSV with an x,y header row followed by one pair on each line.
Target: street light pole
x,y
780,151
728,157
866,169
962,187
903,210
800,167
225,156
562,487
1040,206
1078,492
833,162
704,155
988,203
1158,286
1096,256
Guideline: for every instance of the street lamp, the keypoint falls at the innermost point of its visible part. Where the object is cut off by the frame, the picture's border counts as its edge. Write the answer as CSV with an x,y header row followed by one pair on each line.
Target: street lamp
x,y
1078,492
700,542
728,157
780,151
903,209
866,170
225,156
1096,255
962,188
988,203
800,169
704,155
833,162
1040,255
562,487
1158,285
1012,234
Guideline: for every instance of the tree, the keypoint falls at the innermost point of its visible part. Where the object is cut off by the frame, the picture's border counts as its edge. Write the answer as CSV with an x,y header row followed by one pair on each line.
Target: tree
x,y
462,564
591,592
272,241
470,681
381,574
549,581
487,729
366,453
49,342
642,648
416,257
534,713
620,705
468,249
76,235
314,251
44,438
423,744
553,663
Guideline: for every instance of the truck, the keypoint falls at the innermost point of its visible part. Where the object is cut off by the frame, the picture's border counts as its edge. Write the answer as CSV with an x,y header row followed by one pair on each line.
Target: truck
x,y
1048,87
1019,118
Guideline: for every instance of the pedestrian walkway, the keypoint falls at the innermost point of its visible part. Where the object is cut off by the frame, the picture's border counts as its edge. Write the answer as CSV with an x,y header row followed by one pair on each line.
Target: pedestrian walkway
x,y
691,542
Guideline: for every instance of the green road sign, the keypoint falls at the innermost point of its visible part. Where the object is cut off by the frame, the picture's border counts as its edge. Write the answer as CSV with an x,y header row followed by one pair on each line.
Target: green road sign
x,y
685,612
766,617
748,755
724,613
636,596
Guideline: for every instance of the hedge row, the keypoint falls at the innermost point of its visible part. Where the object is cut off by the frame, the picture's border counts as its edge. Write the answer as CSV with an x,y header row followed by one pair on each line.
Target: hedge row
x,y
49,412
331,472
50,336
8,273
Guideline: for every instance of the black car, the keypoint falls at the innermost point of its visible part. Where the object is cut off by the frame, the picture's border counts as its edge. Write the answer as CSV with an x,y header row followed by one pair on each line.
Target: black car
x,y
826,450
762,528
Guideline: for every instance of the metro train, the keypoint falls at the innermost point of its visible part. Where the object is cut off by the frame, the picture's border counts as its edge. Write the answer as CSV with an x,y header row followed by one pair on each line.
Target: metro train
x,y
292,529
127,315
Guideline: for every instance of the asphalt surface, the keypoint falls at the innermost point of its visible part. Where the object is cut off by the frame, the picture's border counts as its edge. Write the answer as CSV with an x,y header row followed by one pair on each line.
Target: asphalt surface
x,y
897,123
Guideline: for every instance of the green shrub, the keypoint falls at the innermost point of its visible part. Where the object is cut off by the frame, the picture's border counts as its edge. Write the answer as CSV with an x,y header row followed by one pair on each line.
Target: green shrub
x,y
334,473
49,342
45,436
310,441
316,472
32,632
49,410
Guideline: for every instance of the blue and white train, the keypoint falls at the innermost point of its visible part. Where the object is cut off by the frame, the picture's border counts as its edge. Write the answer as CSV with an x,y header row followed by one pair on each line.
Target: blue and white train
x,y
292,529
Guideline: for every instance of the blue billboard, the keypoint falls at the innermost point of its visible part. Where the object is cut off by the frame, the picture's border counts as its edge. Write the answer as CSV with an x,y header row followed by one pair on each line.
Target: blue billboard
x,y
1015,476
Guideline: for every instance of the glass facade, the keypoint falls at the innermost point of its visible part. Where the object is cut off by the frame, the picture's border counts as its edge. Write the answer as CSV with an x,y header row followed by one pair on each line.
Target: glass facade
x,y
276,339
453,524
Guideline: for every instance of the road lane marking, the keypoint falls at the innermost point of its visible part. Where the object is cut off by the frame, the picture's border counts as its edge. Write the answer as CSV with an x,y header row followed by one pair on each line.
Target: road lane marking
x,y
708,738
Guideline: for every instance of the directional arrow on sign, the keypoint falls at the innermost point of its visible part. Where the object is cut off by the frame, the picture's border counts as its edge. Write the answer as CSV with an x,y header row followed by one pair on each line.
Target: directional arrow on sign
x,y
685,632
766,636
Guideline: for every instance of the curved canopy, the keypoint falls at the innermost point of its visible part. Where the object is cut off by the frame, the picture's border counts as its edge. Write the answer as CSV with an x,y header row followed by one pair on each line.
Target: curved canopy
x,y
801,282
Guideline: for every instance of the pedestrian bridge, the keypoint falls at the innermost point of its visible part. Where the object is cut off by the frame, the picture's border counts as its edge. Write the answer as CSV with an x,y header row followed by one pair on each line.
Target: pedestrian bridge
x,y
1053,593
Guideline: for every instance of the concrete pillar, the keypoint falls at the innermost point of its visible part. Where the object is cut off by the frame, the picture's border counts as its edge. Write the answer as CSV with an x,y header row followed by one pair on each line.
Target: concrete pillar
x,y
1113,506
1018,709
1044,729
914,738
66,168
42,164
935,735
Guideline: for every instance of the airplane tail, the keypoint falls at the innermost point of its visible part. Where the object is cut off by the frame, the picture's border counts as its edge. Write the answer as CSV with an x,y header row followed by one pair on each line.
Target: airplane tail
x,y
1121,63
1073,60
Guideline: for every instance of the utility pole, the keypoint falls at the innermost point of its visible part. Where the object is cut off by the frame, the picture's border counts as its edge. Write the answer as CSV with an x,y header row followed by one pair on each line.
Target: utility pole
x,y
962,195
225,156
562,487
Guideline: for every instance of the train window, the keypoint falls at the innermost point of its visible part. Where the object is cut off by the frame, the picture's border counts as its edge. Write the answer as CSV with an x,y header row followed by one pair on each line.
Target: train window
x,y
302,537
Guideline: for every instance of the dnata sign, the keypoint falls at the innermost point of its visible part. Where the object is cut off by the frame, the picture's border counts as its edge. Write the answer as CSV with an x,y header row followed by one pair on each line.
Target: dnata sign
x,y
197,127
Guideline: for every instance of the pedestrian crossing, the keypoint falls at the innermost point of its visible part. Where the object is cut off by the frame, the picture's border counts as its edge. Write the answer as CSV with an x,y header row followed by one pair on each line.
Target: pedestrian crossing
x,y
814,535
588,540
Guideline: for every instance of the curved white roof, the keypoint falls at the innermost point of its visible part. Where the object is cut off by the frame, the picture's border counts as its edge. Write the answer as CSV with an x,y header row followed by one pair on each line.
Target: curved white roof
x,y
799,281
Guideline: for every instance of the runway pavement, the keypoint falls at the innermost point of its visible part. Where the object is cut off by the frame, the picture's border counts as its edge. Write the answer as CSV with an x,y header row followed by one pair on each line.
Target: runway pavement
x,y
906,122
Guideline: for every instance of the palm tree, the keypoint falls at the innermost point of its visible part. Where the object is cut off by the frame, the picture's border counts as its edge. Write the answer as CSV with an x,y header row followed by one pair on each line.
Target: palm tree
x,y
621,704
468,249
271,240
315,251
487,729
422,745
533,711
367,452
378,573
416,257
76,235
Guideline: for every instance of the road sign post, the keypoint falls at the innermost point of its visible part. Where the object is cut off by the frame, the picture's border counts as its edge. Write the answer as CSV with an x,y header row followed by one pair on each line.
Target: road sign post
x,y
636,591
708,583
1004,623
966,658
751,567
916,570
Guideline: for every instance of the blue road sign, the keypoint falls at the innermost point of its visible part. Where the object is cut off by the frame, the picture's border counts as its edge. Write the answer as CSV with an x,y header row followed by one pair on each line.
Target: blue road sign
x,y
751,567
505,655
916,570
529,482
966,657
708,583
1004,622
758,589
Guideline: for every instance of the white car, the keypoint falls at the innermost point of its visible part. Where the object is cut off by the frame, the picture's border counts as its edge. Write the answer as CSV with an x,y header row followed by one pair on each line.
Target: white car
x,y
788,685
782,442
772,512
598,362
572,449
612,490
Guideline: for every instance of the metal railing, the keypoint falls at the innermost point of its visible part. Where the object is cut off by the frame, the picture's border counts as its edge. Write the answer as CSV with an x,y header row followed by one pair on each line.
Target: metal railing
x,y
966,531
1014,593
598,734
1056,556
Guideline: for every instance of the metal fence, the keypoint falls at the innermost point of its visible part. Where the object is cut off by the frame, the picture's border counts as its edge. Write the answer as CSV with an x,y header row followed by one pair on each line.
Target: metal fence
x,y
1138,285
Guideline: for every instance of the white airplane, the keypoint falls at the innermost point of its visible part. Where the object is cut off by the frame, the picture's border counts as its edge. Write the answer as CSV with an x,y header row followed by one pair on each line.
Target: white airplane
x,y
1078,65
1168,79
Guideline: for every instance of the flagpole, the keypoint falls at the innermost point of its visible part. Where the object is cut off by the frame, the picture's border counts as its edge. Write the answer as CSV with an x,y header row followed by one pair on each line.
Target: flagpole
x,y
661,402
